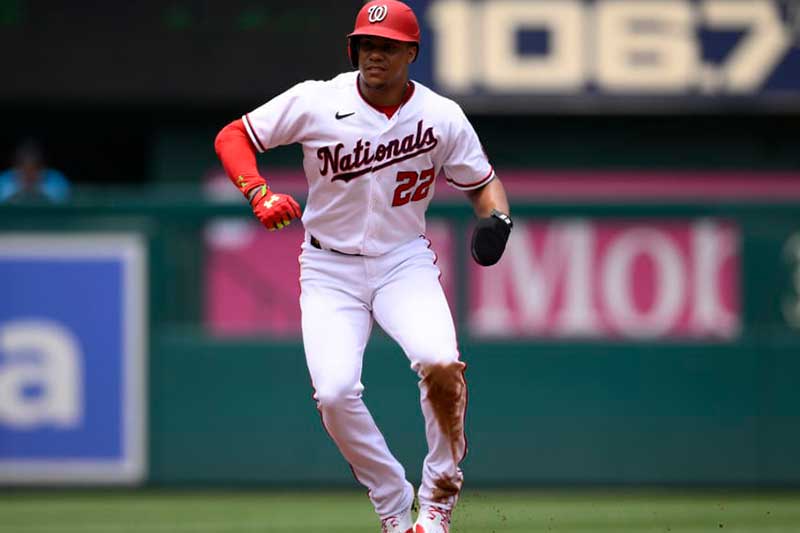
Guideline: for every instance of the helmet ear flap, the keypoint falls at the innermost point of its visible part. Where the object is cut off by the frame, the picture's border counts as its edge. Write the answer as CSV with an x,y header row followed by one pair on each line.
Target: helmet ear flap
x,y
352,51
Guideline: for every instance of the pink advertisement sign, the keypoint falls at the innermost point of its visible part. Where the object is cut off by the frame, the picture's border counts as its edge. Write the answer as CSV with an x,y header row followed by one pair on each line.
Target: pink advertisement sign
x,y
582,278
252,276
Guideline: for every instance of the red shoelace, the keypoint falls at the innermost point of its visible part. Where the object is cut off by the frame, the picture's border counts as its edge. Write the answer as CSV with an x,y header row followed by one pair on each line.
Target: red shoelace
x,y
387,522
433,512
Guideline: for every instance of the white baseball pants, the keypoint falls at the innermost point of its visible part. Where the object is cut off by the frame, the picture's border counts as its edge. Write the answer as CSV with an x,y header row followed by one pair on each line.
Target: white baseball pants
x,y
340,296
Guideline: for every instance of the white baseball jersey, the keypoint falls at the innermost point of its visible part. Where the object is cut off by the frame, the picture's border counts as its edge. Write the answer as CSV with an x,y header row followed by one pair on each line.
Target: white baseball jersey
x,y
370,177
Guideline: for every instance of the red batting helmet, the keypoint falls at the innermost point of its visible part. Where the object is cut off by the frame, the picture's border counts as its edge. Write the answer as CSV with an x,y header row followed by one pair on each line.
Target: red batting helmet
x,y
390,19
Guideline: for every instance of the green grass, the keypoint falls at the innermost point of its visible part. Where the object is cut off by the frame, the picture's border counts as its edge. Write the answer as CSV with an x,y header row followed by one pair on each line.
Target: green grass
x,y
557,511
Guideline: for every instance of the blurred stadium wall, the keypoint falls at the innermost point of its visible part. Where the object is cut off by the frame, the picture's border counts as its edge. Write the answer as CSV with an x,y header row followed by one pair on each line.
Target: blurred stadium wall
x,y
643,327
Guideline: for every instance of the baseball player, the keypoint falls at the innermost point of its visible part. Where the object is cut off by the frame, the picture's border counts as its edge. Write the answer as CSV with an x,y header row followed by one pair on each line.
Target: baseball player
x,y
373,143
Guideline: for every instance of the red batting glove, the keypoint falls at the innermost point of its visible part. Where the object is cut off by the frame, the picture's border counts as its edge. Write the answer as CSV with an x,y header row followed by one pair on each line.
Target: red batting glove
x,y
275,211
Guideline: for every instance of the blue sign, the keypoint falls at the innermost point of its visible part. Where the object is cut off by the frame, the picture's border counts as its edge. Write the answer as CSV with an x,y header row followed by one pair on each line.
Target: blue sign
x,y
556,55
72,358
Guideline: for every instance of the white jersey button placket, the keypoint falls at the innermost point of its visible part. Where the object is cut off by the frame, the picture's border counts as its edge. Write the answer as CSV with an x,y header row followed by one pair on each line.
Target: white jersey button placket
x,y
374,196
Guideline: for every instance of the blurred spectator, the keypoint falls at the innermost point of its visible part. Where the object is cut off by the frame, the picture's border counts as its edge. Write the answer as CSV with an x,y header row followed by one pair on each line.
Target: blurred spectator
x,y
29,180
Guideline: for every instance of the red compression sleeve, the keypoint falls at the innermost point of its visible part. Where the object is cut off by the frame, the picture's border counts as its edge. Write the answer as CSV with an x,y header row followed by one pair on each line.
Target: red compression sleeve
x,y
238,157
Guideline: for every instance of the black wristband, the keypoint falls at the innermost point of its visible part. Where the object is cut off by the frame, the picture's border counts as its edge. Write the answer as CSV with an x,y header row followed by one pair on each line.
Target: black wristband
x,y
504,217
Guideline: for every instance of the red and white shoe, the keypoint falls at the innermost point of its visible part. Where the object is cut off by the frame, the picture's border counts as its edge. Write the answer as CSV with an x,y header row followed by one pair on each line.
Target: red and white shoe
x,y
400,523
432,520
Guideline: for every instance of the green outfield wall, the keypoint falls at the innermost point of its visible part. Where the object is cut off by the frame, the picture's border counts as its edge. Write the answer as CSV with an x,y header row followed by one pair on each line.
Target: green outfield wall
x,y
546,408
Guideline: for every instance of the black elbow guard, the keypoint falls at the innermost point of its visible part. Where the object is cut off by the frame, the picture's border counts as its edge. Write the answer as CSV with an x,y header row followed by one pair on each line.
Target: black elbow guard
x,y
490,237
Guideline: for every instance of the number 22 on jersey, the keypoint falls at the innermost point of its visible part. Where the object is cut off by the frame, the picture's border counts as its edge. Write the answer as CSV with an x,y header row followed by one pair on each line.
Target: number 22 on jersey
x,y
406,191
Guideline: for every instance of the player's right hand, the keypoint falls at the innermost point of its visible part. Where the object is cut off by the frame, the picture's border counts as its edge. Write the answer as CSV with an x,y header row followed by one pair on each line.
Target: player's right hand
x,y
275,211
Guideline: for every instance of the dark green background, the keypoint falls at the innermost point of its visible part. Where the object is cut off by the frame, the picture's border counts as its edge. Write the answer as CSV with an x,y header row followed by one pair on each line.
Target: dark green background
x,y
240,411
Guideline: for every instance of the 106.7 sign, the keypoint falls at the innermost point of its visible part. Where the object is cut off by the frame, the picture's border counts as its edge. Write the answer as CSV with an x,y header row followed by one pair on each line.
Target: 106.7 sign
x,y
673,47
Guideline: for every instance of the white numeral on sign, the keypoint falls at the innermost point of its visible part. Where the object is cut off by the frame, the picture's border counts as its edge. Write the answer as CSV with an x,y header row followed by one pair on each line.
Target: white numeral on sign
x,y
645,45
562,68
760,50
453,57
791,304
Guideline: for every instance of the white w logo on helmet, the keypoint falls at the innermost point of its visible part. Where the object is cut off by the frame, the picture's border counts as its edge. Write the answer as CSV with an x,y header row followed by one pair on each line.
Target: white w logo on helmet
x,y
377,13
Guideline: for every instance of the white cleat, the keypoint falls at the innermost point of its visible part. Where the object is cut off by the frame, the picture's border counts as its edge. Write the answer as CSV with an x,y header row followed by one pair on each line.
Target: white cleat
x,y
432,520
400,523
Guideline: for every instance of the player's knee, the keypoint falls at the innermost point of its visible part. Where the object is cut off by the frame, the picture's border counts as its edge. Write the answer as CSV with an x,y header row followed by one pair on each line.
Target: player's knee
x,y
336,395
447,379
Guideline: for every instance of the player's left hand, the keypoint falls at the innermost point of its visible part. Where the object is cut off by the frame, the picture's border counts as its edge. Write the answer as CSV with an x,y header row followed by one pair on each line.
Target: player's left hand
x,y
490,237
275,211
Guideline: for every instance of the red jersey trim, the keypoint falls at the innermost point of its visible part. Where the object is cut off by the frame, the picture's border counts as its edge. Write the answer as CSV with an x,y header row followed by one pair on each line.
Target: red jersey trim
x,y
252,133
390,110
468,186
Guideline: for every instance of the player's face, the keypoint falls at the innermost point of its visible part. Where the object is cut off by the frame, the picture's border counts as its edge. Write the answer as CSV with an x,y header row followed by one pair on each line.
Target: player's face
x,y
384,62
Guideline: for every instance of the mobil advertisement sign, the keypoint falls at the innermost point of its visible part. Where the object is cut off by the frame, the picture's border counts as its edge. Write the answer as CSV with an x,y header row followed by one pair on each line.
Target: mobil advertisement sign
x,y
624,279
72,356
